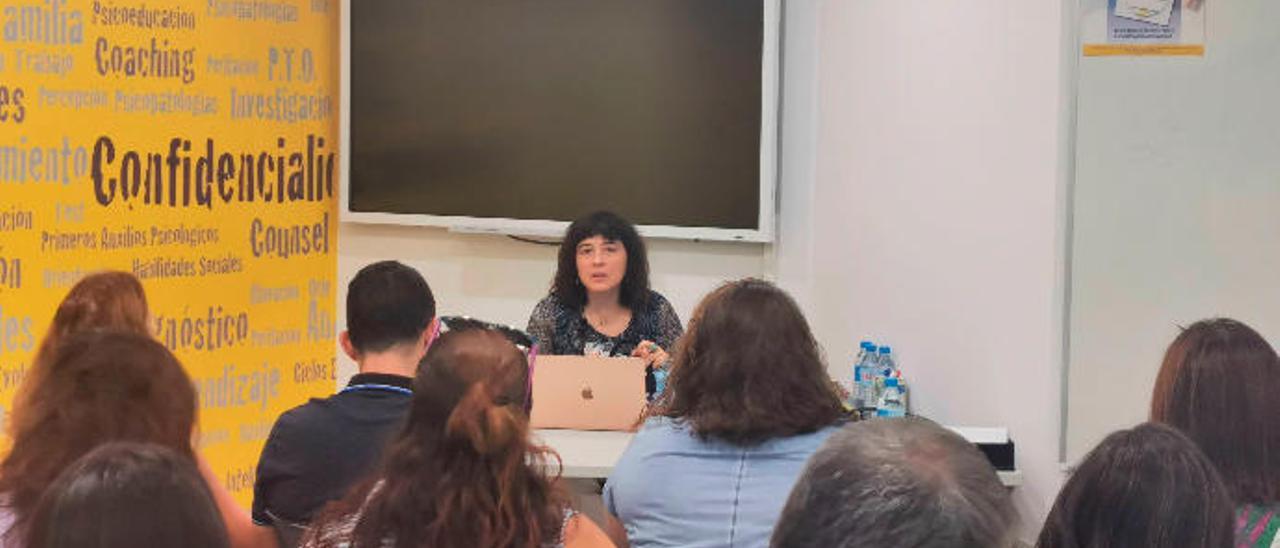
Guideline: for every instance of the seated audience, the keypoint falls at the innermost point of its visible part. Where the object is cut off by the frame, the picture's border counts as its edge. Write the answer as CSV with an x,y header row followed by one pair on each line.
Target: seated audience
x,y
319,450
463,472
102,300
98,387
1149,486
749,400
897,482
1219,384
126,494
114,301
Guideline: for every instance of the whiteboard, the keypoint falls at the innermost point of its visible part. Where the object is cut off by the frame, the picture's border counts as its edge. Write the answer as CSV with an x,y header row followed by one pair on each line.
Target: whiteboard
x,y
1176,209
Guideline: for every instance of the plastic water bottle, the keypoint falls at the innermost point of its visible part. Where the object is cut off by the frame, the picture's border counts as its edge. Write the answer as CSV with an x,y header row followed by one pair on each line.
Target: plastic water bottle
x,y
860,374
659,381
852,387
884,369
885,362
893,401
855,397
903,392
864,374
864,348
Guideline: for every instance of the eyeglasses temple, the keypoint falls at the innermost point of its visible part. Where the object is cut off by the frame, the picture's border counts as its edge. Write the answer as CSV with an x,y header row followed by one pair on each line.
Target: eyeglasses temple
x,y
435,332
528,381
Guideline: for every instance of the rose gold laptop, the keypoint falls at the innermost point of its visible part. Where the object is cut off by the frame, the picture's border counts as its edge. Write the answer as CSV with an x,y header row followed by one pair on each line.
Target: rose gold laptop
x,y
587,393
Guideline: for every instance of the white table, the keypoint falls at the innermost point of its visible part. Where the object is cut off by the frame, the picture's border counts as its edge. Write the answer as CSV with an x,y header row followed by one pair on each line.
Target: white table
x,y
587,454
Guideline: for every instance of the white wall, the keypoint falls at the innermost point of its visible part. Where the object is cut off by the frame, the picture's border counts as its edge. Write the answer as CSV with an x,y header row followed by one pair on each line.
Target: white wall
x,y
792,257
1175,209
937,212
921,203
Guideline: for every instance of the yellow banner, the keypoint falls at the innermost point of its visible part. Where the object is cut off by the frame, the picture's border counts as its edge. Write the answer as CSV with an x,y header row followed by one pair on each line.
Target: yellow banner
x,y
193,143
1144,50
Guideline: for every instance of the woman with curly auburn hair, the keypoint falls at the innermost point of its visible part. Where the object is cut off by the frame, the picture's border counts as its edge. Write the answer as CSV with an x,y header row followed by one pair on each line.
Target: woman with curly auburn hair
x,y
749,401
463,472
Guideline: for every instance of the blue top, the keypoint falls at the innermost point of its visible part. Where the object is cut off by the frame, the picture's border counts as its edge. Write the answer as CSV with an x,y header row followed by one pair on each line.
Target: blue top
x,y
671,488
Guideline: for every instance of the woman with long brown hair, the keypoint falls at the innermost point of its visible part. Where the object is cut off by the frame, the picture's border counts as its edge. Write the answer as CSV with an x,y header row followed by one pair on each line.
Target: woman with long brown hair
x,y
108,301
463,471
1219,384
98,386
102,300
749,401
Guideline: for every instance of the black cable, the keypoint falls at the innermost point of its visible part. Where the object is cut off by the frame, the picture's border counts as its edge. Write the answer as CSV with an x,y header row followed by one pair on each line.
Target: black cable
x,y
533,241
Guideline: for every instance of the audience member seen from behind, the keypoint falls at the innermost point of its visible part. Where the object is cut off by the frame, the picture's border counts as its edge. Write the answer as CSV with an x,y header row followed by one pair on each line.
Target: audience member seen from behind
x,y
102,300
463,471
125,494
1149,486
749,400
600,302
317,451
1219,384
114,301
99,387
897,482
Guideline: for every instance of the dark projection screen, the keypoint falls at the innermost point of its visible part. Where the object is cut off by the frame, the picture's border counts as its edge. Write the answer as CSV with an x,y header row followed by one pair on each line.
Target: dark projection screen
x,y
548,109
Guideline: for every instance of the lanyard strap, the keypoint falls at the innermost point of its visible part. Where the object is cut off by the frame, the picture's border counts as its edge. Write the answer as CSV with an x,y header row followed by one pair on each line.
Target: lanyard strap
x,y
374,386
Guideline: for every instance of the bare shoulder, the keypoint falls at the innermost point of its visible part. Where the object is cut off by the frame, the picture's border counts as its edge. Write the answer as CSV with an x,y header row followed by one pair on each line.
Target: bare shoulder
x,y
581,532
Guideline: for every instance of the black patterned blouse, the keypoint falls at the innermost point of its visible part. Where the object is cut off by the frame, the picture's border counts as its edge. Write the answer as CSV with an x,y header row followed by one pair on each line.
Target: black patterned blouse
x,y
560,330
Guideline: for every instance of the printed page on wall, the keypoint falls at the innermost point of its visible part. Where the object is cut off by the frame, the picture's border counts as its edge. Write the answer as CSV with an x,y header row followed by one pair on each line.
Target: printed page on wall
x,y
1143,27
193,144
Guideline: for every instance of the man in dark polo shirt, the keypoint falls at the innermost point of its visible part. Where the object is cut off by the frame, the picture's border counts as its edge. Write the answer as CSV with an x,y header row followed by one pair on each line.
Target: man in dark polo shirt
x,y
319,450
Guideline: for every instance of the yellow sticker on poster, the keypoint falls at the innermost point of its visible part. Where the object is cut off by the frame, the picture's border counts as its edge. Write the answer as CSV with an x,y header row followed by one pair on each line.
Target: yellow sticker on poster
x,y
1143,28
192,143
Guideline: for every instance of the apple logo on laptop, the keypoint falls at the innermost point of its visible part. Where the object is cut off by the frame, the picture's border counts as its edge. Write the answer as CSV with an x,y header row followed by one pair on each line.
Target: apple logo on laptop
x,y
586,392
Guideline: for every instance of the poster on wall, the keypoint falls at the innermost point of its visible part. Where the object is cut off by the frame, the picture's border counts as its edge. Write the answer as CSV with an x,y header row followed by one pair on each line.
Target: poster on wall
x,y
193,144
1143,27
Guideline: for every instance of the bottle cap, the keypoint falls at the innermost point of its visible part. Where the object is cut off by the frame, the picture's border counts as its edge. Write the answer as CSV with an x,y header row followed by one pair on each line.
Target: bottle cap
x,y
885,350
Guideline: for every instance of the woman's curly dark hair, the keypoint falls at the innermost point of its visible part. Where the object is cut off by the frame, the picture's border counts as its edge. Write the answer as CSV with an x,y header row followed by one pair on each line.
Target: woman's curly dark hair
x,y
748,369
634,293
